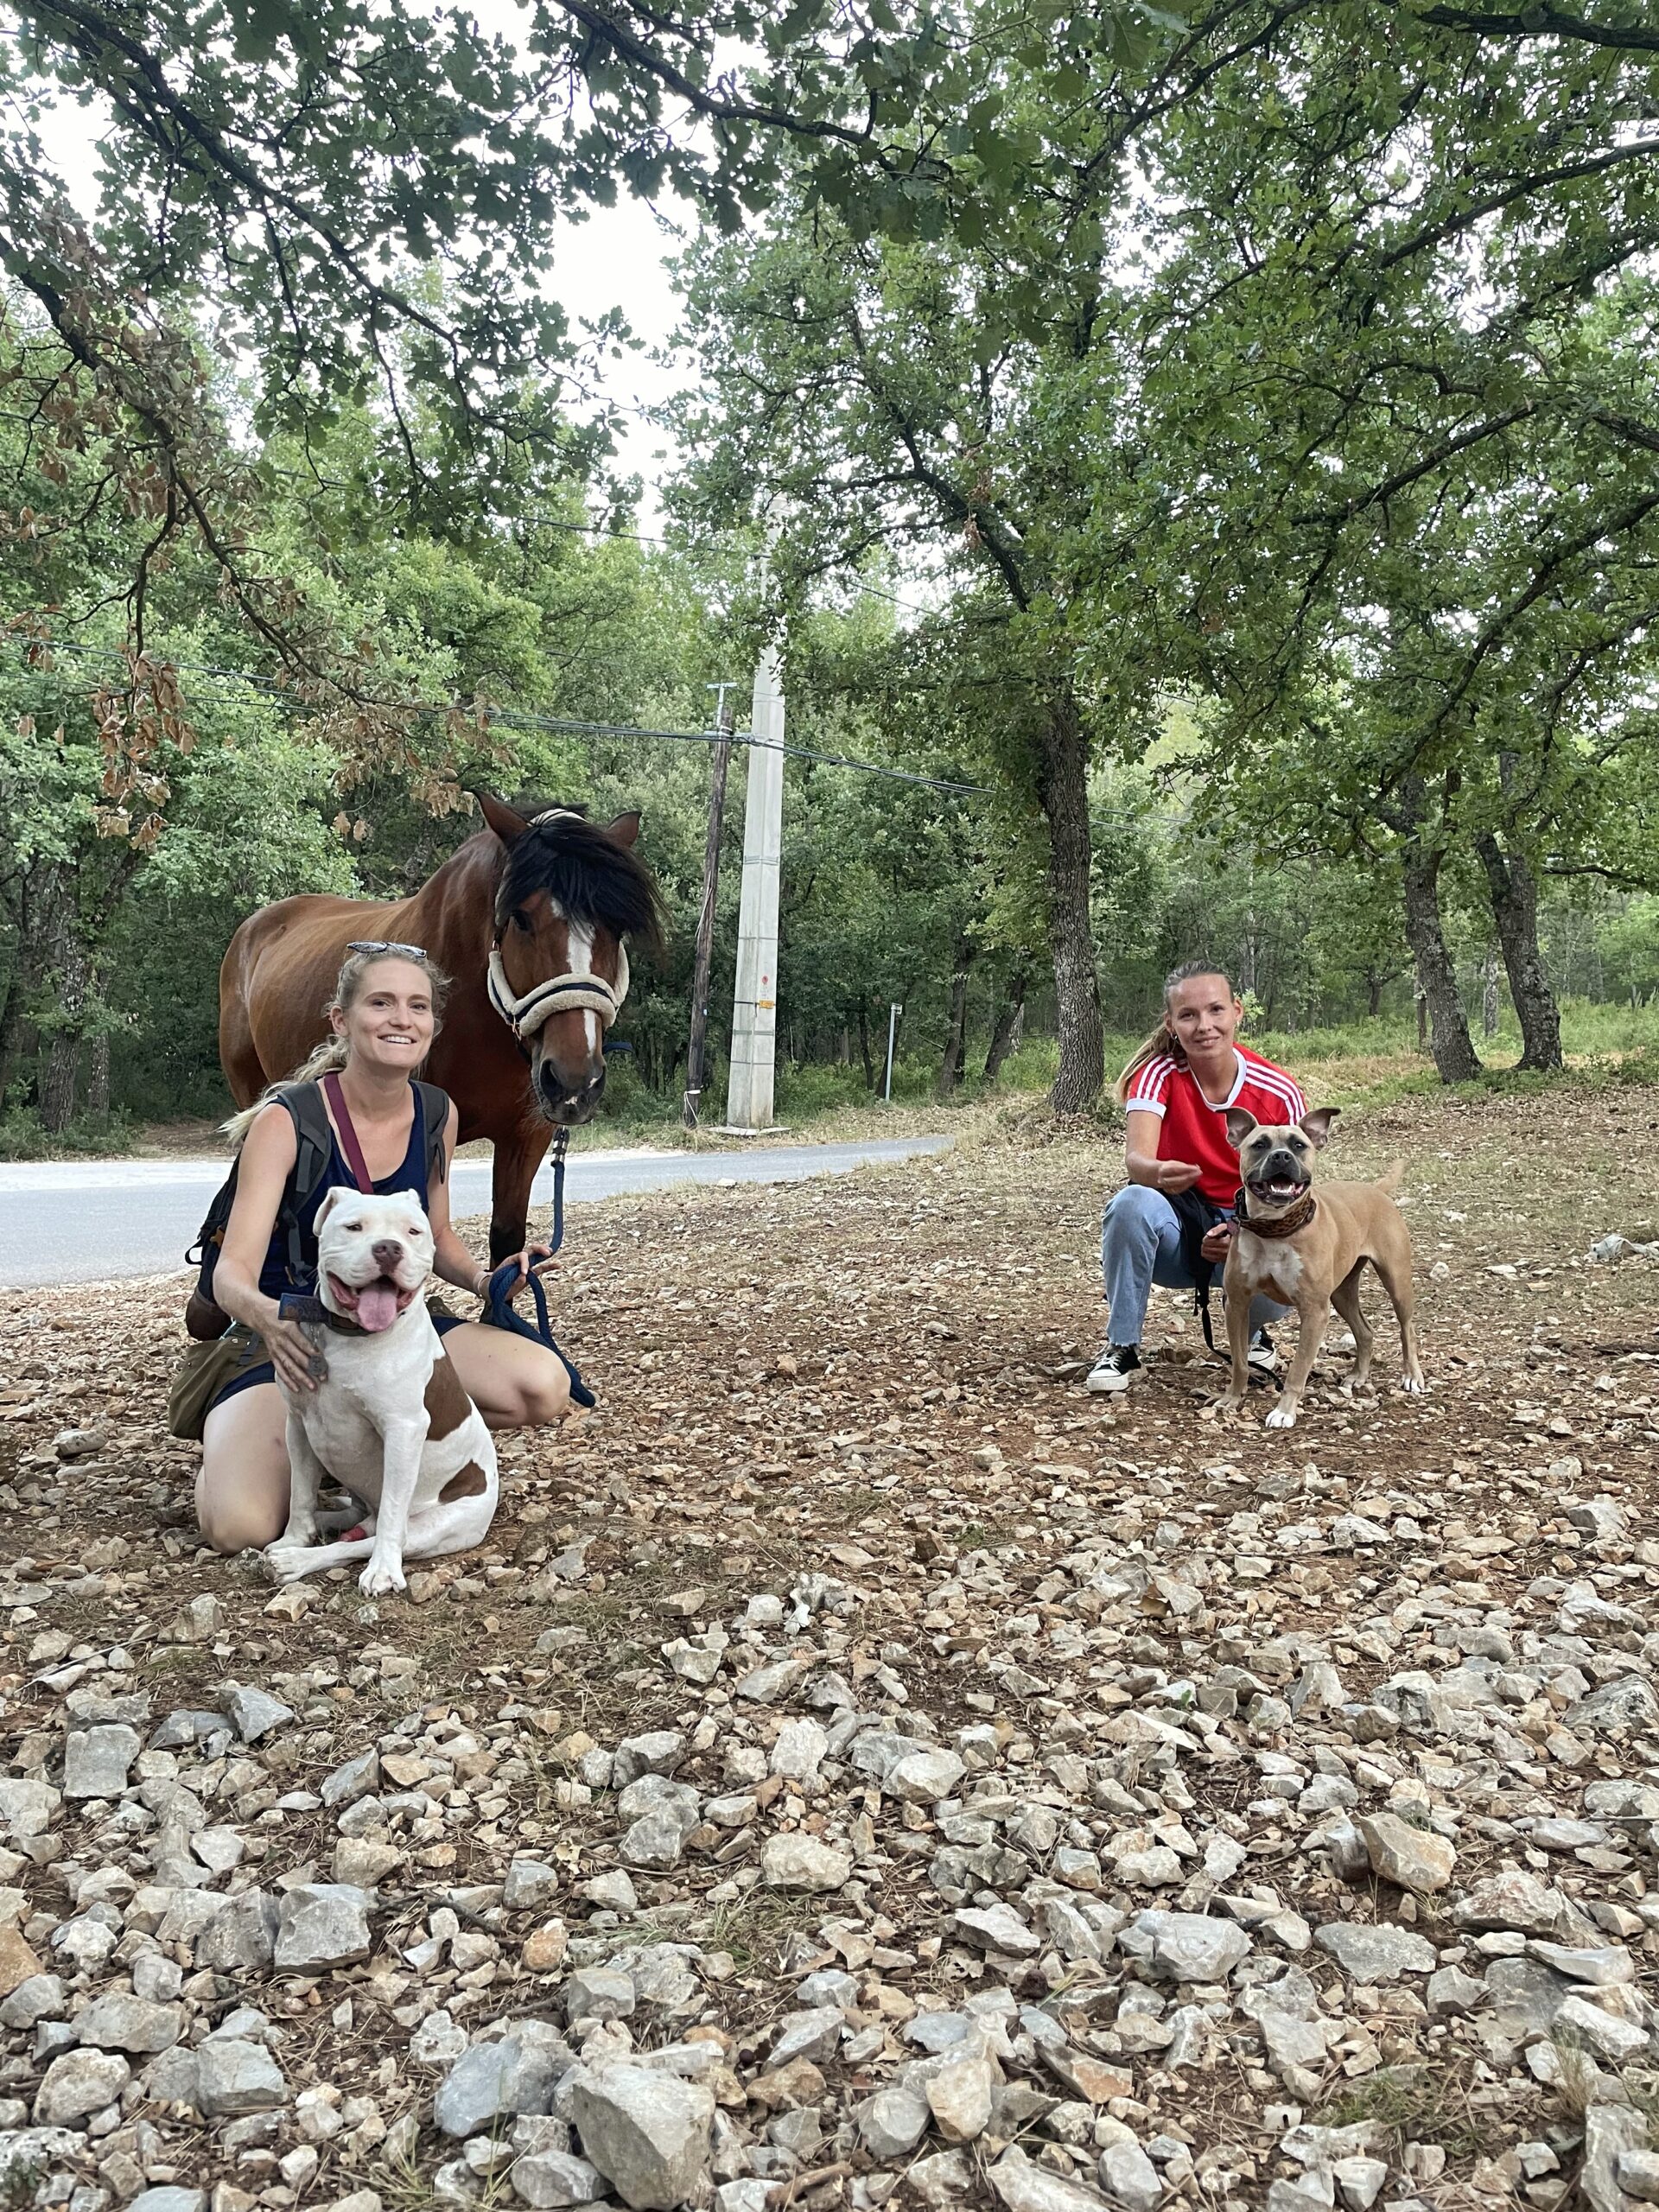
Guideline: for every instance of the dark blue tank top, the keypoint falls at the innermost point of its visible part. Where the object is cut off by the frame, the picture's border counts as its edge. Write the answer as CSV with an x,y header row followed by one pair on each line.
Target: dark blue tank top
x,y
409,1175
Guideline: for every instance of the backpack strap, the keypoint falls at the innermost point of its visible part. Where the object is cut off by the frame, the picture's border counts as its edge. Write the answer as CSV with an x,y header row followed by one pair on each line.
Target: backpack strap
x,y
314,1139
435,1105
346,1130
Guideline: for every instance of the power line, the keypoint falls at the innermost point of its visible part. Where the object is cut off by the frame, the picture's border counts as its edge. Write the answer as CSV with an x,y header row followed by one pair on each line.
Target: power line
x,y
514,718
648,538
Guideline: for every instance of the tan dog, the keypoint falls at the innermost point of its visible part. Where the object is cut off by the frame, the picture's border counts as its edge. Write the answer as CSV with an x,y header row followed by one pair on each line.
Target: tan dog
x,y
1308,1250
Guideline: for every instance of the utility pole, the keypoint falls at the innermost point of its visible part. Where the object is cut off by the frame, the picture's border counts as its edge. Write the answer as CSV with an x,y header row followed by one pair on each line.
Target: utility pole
x,y
694,1055
893,1012
754,1010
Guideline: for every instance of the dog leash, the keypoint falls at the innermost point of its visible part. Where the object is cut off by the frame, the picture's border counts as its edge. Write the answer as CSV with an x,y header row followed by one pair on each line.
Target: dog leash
x,y
498,1311
498,1314
1204,1276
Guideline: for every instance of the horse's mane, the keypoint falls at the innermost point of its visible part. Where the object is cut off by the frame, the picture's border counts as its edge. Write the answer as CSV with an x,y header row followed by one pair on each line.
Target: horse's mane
x,y
592,877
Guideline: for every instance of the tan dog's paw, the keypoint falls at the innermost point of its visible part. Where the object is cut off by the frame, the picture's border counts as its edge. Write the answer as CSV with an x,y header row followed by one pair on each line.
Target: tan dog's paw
x,y
381,1577
1283,1416
1226,1407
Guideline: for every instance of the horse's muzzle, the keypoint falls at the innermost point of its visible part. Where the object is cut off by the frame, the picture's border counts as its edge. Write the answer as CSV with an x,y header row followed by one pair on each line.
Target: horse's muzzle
x,y
560,1104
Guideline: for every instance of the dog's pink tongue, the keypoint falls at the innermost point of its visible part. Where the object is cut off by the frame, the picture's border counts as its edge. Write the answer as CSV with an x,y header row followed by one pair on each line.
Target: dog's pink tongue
x,y
377,1305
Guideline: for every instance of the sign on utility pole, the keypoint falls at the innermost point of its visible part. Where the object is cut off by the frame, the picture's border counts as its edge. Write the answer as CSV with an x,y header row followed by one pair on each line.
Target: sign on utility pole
x,y
754,1010
691,1104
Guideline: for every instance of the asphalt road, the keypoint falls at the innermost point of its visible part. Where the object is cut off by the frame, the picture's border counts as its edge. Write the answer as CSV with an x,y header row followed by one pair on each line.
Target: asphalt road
x,y
86,1221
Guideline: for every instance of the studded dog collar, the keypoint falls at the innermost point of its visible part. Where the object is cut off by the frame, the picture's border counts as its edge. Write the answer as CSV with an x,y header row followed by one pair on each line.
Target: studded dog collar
x,y
1286,1224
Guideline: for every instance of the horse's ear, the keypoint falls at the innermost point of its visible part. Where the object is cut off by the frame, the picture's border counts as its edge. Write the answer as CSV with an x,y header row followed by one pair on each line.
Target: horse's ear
x,y
508,825
624,828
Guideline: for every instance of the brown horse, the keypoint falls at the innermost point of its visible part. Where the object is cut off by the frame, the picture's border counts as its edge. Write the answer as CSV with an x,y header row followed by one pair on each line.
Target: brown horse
x,y
529,918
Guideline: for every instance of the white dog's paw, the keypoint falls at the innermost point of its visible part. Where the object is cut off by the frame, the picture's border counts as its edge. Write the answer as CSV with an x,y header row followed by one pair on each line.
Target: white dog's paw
x,y
1416,1386
380,1577
1283,1416
296,1536
288,1562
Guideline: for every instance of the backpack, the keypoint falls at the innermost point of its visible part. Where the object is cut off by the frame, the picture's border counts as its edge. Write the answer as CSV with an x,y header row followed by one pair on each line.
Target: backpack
x,y
314,1137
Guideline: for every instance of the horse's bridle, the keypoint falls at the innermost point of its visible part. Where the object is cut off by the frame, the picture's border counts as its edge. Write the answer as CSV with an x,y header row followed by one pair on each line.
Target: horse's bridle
x,y
571,994
525,1013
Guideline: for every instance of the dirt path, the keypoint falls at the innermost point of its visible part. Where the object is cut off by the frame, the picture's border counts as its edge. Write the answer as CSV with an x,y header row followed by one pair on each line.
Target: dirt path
x,y
856,1381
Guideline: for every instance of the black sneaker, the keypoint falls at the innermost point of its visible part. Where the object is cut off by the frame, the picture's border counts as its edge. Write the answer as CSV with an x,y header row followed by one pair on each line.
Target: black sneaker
x,y
1111,1371
1261,1355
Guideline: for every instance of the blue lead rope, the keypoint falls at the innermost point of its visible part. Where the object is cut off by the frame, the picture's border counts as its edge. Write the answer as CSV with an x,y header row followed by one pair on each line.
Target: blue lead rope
x,y
498,1312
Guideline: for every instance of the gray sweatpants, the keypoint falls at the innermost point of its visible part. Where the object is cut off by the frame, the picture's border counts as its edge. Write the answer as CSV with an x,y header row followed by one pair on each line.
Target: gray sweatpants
x,y
1139,1245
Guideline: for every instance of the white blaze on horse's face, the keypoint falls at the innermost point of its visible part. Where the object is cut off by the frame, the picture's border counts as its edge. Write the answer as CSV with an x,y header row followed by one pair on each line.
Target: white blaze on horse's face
x,y
567,1050
581,964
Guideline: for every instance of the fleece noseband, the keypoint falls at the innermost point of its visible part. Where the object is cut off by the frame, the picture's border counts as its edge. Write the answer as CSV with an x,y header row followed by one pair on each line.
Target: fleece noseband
x,y
525,1013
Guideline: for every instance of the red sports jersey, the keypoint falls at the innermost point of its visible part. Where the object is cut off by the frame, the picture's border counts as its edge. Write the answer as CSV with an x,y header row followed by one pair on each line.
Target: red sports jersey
x,y
1194,1130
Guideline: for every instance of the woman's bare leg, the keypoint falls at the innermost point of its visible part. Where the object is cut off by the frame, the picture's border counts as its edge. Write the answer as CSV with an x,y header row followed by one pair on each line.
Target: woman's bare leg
x,y
514,1383
243,1486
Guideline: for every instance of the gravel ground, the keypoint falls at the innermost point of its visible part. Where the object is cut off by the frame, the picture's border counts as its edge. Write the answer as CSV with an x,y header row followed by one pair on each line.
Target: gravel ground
x,y
861,1768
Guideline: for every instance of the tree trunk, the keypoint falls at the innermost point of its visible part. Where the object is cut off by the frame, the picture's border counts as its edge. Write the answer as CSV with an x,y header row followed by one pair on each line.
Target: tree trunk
x,y
70,972
864,1044
1489,1008
98,1078
1455,1057
1062,794
955,1042
11,1022
1008,1018
36,907
1514,907
1374,983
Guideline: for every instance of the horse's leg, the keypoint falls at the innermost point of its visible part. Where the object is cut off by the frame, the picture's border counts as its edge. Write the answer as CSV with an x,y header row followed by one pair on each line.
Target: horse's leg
x,y
516,1158
237,1054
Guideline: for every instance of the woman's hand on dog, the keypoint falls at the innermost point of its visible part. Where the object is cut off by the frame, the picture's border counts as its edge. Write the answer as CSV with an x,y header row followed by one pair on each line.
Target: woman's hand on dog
x,y
293,1354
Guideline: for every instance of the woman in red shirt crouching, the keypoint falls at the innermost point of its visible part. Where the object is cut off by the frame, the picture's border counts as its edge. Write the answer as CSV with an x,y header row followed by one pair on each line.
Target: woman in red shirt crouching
x,y
1175,1094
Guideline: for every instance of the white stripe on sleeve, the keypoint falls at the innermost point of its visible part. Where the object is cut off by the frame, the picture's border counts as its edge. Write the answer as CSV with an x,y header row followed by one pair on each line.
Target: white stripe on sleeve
x,y
1150,1084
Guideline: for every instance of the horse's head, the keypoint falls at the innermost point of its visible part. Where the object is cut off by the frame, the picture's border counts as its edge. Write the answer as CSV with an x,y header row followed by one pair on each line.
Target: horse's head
x,y
567,894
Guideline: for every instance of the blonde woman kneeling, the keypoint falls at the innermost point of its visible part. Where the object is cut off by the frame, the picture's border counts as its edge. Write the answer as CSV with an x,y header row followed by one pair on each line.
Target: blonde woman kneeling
x,y
1183,1173
384,1014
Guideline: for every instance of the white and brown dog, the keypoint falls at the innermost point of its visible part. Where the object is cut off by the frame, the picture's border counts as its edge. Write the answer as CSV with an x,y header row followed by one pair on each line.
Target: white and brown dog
x,y
389,1420
1308,1249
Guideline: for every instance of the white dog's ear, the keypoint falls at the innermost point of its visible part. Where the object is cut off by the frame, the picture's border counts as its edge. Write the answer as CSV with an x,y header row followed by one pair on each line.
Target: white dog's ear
x,y
1239,1125
340,1190
1317,1124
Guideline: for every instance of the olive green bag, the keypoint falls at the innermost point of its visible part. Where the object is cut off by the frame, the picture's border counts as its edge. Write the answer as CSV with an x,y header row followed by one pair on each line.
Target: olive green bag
x,y
203,1373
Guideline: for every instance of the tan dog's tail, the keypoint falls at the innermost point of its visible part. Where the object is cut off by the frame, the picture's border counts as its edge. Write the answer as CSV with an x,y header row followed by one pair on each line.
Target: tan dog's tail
x,y
1388,1181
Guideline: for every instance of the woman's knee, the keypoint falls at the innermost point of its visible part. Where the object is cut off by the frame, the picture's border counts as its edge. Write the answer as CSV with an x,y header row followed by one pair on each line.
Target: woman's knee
x,y
546,1398
1136,1207
234,1517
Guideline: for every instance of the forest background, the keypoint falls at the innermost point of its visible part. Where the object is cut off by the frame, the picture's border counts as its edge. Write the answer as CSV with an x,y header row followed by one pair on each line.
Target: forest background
x,y
1216,454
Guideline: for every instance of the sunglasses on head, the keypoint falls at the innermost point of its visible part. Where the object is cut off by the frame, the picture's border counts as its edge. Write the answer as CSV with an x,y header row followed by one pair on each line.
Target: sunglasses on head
x,y
387,944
